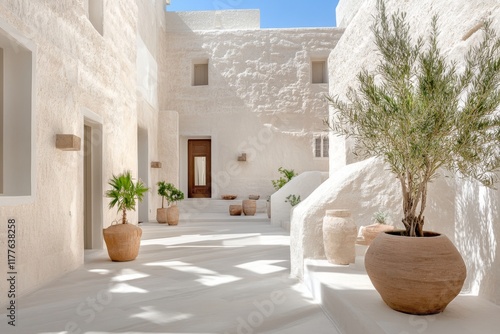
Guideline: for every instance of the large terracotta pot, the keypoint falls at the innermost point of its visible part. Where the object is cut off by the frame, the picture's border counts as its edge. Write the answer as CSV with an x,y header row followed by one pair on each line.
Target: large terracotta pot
x,y
161,215
415,275
122,241
173,215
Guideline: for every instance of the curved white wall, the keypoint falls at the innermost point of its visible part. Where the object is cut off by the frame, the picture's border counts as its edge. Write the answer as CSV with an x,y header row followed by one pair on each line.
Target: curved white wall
x,y
302,185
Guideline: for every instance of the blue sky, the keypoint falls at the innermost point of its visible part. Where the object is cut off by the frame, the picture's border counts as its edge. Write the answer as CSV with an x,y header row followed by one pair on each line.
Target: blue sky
x,y
273,13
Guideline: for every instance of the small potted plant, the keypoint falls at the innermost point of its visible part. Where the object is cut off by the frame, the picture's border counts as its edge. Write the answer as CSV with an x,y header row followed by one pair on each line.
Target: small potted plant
x,y
173,195
124,239
380,225
161,213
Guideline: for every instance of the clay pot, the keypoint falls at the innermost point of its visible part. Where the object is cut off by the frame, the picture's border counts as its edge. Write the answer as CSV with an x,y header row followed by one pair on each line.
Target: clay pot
x,y
249,207
235,210
370,232
339,236
415,275
122,241
161,215
173,215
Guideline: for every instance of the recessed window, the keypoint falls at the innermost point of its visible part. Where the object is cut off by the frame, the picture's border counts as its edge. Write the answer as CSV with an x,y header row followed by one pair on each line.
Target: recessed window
x,y
16,123
94,13
200,74
319,72
321,146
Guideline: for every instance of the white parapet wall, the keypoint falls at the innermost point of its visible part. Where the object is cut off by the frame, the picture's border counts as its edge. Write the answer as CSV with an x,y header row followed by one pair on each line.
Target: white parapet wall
x,y
346,10
213,20
302,185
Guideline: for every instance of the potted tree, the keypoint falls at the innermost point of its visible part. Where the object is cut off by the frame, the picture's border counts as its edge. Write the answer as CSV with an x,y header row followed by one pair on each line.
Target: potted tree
x,y
123,239
173,195
419,113
161,213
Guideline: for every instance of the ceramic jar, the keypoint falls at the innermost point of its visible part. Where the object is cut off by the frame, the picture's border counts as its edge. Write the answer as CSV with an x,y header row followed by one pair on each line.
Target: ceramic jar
x,y
339,236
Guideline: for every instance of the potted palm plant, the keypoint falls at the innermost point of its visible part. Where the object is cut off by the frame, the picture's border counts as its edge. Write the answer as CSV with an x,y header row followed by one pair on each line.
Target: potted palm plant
x,y
161,213
173,195
419,113
123,239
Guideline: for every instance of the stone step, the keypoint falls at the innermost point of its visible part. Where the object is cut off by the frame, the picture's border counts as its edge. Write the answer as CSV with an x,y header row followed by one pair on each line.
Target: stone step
x,y
209,205
348,297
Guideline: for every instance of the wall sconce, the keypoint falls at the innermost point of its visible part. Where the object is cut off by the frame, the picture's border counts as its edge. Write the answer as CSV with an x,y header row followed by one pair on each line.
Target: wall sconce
x,y
67,142
155,164
242,157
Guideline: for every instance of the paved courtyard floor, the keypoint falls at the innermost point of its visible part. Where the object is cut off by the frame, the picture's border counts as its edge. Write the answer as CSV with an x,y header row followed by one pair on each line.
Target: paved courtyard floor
x,y
201,277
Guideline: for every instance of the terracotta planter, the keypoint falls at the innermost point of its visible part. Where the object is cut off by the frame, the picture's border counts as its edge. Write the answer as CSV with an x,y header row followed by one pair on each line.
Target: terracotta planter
x,y
173,215
339,236
161,215
235,210
249,207
415,275
122,241
370,232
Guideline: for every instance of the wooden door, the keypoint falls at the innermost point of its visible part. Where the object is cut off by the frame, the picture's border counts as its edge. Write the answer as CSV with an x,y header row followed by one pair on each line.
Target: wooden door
x,y
199,168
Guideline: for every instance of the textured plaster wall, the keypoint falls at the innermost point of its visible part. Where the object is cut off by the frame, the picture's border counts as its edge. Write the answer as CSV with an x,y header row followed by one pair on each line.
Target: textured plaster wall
x,y
76,69
213,20
346,10
259,101
474,210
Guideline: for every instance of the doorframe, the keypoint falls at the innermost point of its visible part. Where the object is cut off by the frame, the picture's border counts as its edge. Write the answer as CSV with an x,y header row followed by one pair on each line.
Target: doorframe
x,y
143,171
94,121
183,159
209,175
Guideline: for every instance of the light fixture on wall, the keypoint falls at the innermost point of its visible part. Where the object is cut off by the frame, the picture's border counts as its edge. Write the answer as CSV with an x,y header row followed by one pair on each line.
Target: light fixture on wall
x,y
242,157
155,164
68,142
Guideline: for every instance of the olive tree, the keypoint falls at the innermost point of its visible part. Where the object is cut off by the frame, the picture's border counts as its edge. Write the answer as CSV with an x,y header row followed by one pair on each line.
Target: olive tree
x,y
419,112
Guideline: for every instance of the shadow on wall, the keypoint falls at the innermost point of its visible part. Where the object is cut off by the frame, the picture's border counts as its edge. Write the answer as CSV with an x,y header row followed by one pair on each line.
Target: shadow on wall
x,y
477,236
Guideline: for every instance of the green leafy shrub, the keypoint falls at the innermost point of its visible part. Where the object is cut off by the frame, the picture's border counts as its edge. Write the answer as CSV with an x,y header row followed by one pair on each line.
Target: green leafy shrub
x,y
287,175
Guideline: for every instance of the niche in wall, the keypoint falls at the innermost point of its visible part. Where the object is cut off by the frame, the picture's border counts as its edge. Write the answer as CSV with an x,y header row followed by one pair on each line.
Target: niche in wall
x,y
16,115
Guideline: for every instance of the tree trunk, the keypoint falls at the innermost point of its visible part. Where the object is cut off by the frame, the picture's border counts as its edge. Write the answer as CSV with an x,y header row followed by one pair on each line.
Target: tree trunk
x,y
124,218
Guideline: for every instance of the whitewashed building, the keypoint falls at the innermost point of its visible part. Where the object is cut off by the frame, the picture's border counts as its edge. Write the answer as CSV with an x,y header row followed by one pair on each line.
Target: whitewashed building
x,y
91,88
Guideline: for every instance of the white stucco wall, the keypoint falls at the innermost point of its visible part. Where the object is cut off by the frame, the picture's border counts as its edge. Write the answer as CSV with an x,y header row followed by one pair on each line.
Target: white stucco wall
x,y
78,73
346,10
473,210
248,19
259,101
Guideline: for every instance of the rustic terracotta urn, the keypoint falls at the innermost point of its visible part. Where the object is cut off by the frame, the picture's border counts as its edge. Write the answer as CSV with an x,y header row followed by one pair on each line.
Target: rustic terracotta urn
x,y
122,241
235,210
161,215
339,236
173,215
249,207
370,232
415,275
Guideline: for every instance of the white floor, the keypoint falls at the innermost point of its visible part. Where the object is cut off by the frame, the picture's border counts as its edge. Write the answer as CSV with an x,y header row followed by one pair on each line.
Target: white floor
x,y
349,298
198,277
